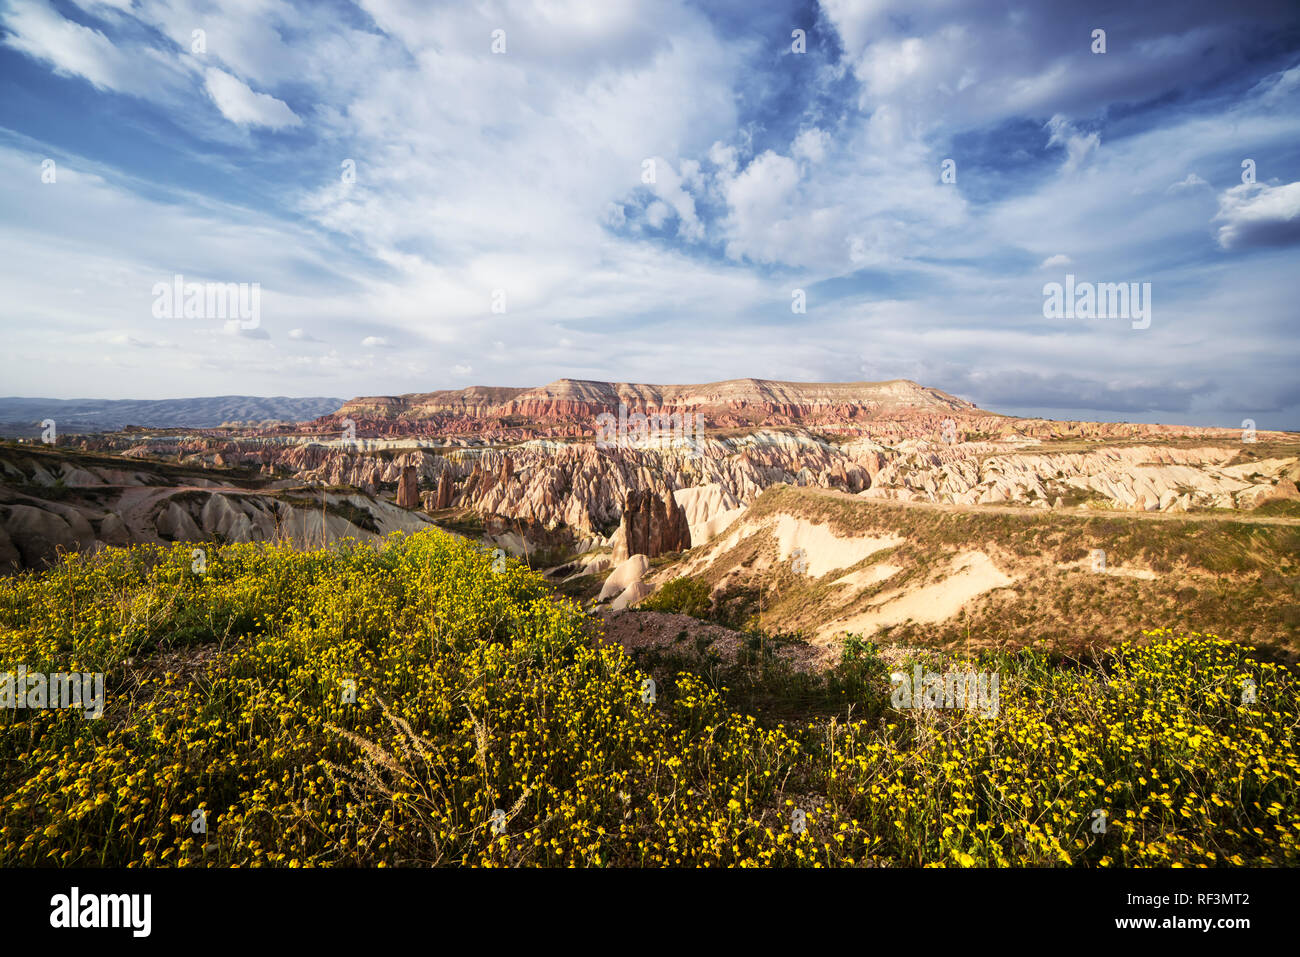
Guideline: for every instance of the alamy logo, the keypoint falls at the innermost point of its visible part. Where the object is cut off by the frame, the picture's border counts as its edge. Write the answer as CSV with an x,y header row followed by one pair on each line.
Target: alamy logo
x,y
1106,300
37,691
102,910
1248,695
678,430
240,303
931,689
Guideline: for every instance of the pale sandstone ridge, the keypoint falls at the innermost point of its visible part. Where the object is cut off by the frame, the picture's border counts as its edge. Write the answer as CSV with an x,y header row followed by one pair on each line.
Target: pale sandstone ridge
x,y
710,509
967,577
814,550
819,550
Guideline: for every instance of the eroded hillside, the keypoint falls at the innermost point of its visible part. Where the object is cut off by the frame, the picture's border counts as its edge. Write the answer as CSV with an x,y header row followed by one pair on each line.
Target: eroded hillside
x,y
58,501
825,564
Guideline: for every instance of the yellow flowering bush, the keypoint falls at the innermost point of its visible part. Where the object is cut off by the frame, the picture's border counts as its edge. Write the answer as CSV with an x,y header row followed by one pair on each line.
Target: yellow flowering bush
x,y
409,705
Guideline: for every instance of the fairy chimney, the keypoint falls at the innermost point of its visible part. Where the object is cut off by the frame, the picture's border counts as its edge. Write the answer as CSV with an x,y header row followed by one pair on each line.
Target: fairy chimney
x,y
443,499
408,488
651,526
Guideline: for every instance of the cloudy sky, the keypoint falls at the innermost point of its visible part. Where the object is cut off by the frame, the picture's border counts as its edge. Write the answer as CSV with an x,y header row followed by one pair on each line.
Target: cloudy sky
x,y
504,193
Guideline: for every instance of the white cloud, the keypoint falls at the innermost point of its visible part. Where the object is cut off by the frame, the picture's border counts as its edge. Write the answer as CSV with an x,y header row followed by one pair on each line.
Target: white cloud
x,y
1259,215
657,213
241,105
760,208
616,215
234,327
374,342
669,187
1060,259
943,64
811,145
724,157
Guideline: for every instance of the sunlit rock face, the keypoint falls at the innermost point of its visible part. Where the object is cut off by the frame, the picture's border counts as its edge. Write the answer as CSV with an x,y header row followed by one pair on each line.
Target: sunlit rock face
x,y
652,525
408,488
581,456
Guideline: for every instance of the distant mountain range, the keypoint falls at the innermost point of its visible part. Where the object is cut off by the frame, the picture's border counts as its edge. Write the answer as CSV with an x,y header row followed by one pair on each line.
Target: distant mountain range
x,y
731,402
22,416
761,399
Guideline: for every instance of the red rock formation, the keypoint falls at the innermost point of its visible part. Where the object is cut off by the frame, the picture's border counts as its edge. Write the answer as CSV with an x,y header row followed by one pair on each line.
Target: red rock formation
x,y
467,448
443,499
653,525
576,402
408,488
471,484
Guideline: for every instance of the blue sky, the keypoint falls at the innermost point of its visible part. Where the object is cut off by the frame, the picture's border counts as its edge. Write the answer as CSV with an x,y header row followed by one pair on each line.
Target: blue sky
x,y
522,175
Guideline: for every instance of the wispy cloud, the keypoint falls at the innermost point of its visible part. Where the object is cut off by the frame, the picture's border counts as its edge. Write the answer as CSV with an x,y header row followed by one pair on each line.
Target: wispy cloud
x,y
638,190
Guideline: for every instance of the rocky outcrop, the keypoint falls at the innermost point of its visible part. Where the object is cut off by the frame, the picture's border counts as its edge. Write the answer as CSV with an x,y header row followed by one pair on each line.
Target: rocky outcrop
x,y
637,591
1284,490
1132,478
629,573
39,535
34,532
584,487
652,525
443,497
175,524
710,509
113,531
730,402
474,401
478,450
888,412
408,488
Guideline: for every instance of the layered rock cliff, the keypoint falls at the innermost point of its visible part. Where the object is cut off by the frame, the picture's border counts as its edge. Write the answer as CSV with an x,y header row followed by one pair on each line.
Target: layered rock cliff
x,y
577,402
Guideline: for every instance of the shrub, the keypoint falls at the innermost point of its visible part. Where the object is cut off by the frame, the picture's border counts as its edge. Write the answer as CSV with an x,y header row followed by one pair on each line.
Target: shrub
x,y
686,596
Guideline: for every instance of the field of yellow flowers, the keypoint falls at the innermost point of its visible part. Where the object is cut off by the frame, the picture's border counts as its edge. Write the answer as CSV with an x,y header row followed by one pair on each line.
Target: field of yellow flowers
x,y
408,705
